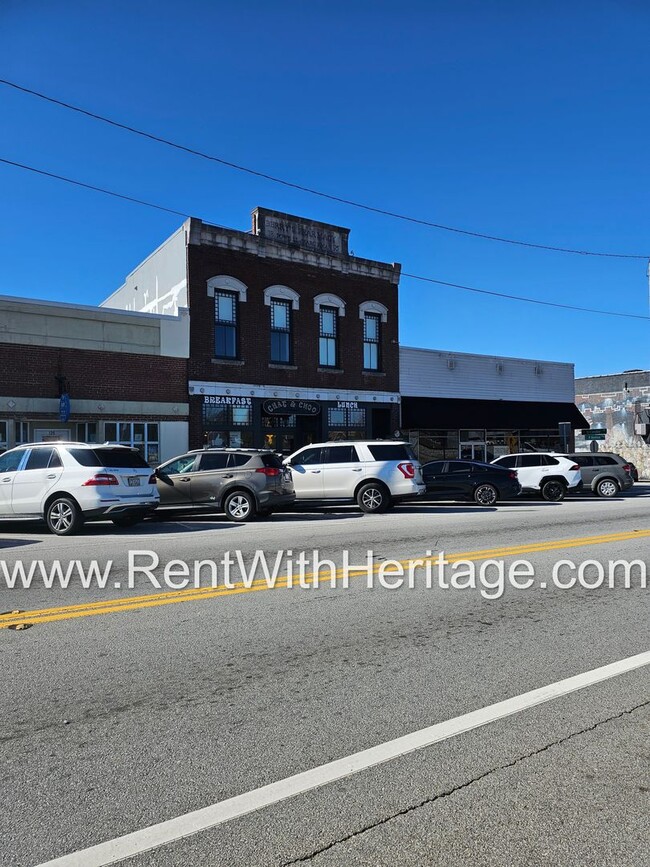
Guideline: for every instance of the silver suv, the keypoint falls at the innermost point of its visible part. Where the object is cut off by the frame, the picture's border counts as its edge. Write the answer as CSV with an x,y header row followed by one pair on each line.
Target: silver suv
x,y
242,483
373,473
68,483
605,473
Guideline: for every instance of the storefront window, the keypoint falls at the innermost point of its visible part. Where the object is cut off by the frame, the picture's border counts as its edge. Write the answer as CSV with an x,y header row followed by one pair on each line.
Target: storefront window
x,y
229,439
4,435
87,432
22,432
346,423
501,442
227,421
143,437
434,445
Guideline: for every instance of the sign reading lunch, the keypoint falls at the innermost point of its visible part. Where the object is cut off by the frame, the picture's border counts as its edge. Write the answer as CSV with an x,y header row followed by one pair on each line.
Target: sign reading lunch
x,y
283,406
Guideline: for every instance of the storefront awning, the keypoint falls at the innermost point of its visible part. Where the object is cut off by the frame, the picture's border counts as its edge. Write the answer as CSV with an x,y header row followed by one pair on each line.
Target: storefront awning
x,y
440,413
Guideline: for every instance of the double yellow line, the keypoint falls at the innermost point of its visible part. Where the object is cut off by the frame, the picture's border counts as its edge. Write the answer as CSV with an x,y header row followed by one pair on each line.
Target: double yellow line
x,y
192,594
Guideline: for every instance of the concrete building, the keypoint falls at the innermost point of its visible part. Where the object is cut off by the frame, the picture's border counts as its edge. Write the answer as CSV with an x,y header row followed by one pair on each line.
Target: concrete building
x,y
292,338
86,373
477,407
619,404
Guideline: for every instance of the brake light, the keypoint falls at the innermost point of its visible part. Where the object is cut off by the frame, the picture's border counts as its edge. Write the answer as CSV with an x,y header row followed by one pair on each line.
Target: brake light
x,y
513,474
152,479
100,479
269,471
407,470
627,468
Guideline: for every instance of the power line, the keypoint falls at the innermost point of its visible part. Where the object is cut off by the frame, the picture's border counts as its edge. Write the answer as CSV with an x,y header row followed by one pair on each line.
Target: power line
x,y
404,274
91,187
304,189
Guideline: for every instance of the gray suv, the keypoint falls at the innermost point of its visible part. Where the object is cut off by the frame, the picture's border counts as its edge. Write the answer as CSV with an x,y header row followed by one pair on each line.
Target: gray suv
x,y
605,473
243,483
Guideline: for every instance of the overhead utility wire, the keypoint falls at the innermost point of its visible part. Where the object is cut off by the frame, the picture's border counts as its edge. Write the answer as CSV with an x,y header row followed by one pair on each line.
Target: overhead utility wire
x,y
404,273
295,186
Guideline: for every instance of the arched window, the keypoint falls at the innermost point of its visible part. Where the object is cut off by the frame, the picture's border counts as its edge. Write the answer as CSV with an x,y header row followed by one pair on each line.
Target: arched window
x,y
227,292
373,314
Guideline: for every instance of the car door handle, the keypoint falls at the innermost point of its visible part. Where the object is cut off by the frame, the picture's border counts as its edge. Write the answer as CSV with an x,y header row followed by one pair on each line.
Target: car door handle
x,y
7,480
229,476
51,476
314,471
356,469
186,479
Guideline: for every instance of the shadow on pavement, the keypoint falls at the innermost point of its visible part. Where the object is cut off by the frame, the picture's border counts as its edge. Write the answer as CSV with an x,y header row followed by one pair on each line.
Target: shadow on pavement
x,y
16,543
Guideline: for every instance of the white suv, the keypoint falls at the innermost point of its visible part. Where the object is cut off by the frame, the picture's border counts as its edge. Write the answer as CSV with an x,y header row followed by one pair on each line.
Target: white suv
x,y
373,473
541,472
67,483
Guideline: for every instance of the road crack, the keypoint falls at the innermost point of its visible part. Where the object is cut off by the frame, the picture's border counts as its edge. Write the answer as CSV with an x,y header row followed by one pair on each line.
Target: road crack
x,y
303,859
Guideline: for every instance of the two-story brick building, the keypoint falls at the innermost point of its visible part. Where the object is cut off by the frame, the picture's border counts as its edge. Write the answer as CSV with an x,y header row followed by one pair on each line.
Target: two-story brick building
x,y
292,338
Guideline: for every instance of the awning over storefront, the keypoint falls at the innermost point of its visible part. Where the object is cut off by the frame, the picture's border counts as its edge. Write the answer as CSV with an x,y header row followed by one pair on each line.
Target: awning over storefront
x,y
438,413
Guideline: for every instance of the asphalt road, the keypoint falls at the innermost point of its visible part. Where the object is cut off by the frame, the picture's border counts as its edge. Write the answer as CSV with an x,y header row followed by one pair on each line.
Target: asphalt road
x,y
120,712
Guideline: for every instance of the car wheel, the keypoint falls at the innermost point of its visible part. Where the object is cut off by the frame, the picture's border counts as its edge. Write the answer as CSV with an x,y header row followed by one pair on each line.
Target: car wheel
x,y
373,497
127,520
553,491
240,506
63,516
606,488
486,495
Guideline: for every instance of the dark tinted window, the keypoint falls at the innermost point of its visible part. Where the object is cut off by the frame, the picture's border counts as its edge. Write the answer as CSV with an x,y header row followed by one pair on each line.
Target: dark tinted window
x,y
582,460
39,459
477,469
340,455
509,461
214,461
530,461
309,456
433,469
390,452
9,461
55,460
235,460
271,461
458,467
550,461
604,461
107,457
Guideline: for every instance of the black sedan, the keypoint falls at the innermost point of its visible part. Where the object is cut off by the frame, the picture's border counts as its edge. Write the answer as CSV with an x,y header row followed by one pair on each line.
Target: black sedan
x,y
470,480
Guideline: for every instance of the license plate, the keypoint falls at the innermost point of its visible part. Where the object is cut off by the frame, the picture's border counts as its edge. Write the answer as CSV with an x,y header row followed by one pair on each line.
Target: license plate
x,y
134,481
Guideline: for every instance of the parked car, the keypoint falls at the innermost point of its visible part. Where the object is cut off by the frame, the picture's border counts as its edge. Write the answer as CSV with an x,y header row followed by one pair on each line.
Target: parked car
x,y
66,483
243,483
605,473
374,474
544,473
483,483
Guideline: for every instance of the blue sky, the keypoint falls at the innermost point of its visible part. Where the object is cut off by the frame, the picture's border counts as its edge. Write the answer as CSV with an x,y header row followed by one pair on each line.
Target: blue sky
x,y
515,119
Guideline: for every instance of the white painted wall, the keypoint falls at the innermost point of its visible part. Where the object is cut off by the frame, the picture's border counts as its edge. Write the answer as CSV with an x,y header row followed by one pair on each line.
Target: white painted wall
x,y
51,323
434,373
159,284
173,439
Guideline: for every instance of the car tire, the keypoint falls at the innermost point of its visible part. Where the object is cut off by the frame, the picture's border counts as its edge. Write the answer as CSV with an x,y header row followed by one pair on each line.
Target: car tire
x,y
127,520
63,516
607,488
373,498
553,491
486,495
240,506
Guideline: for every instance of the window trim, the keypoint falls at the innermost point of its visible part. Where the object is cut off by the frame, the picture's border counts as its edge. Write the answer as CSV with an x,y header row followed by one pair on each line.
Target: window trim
x,y
288,330
282,293
373,307
335,337
376,317
234,324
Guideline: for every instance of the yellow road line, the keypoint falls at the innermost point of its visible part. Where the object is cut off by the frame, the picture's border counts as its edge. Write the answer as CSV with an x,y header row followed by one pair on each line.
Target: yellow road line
x,y
190,594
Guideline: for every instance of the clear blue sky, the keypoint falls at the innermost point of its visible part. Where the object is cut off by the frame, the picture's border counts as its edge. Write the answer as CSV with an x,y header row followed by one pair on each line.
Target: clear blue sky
x,y
516,119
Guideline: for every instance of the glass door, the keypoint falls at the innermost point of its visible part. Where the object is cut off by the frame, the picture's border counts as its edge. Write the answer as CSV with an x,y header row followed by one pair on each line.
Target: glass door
x,y
472,452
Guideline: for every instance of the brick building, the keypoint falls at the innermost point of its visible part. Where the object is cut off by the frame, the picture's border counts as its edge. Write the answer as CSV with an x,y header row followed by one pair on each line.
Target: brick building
x,y
85,373
292,338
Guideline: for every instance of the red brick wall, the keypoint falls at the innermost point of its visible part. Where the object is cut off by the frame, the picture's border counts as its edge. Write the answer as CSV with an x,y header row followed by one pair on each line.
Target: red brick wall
x,y
30,371
254,323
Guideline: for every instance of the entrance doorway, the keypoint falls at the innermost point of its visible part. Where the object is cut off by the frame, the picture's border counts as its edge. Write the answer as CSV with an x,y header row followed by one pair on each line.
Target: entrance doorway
x,y
472,452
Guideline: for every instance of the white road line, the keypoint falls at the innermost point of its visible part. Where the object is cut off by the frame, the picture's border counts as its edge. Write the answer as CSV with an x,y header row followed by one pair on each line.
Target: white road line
x,y
154,836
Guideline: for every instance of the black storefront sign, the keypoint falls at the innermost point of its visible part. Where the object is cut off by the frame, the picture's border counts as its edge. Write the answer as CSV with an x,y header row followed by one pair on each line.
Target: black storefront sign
x,y
283,406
